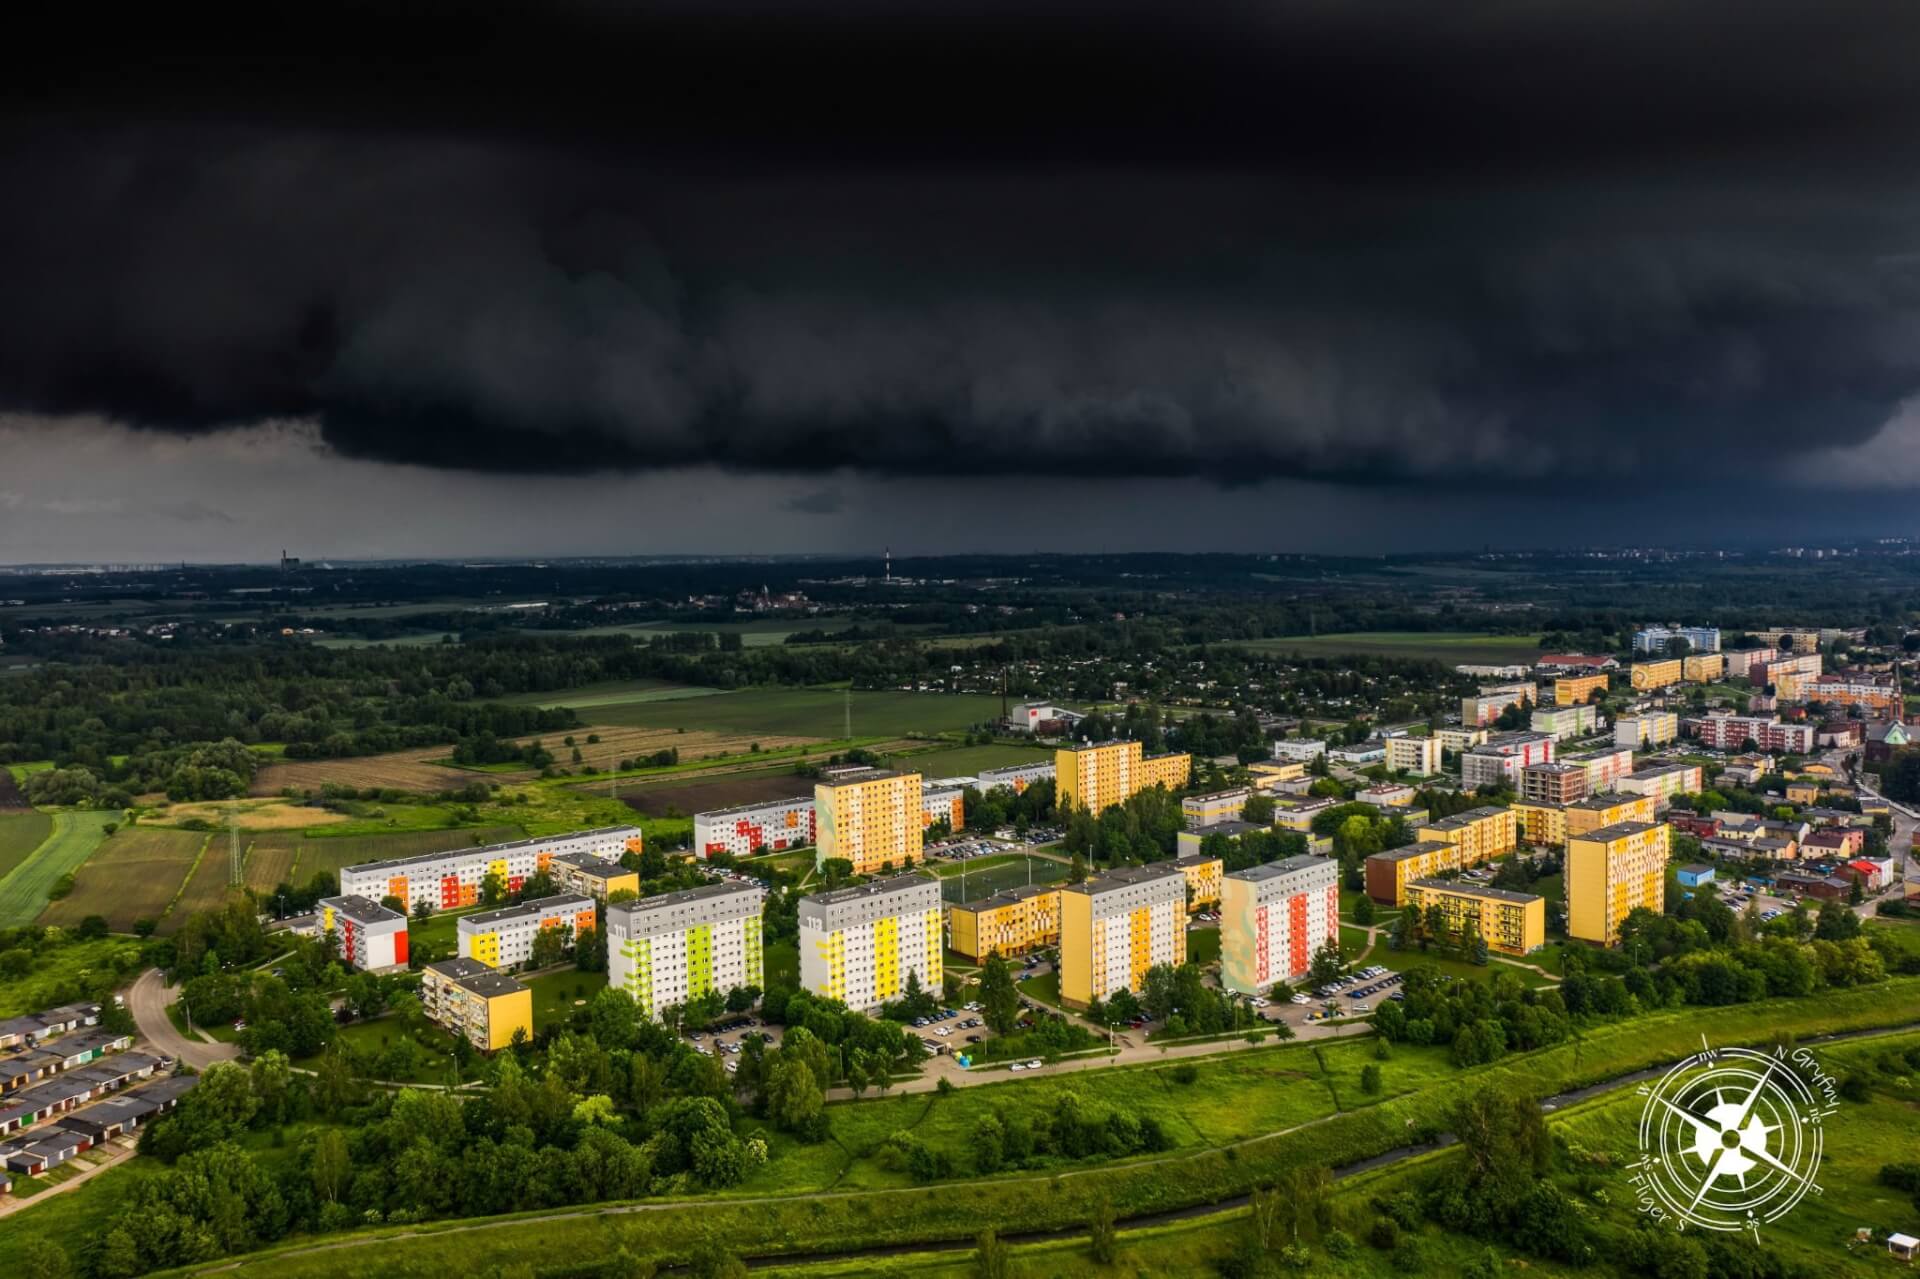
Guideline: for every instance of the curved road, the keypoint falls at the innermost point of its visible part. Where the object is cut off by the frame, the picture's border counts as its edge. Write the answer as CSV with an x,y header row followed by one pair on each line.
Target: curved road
x,y
147,1000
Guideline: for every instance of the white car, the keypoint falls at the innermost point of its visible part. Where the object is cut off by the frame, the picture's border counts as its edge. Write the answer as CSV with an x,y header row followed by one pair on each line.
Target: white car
x,y
944,1031
1303,999
1033,1065
1017,1066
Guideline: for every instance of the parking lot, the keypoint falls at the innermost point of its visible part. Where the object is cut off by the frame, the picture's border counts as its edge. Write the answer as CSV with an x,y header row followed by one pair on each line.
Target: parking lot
x,y
729,1040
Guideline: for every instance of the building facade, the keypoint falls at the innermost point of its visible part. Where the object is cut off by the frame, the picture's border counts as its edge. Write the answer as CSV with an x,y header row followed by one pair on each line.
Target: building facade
x,y
1480,834
372,937
1702,668
1273,918
1645,728
1116,925
1512,923
1562,722
1612,871
1210,810
873,819
1596,811
1647,676
1386,875
859,944
1015,777
1417,755
942,804
580,873
673,949
1460,739
1661,782
504,938
1097,776
1203,880
1011,922
1492,701
451,880
1577,690
469,999
1654,639
1731,732
1604,768
747,828
1556,783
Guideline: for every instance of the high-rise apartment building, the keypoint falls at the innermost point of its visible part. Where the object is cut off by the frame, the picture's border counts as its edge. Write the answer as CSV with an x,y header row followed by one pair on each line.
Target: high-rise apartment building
x,y
1513,923
1610,872
1116,925
1417,755
1097,775
672,949
859,944
1011,922
1273,918
872,819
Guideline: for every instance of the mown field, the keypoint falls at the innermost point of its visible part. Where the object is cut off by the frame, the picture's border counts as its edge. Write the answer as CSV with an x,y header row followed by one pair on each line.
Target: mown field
x,y
806,712
20,834
659,800
1439,646
965,761
616,692
23,893
134,874
992,874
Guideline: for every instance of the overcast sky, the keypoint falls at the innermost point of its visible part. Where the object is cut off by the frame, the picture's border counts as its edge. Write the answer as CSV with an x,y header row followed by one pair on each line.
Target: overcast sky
x,y
777,277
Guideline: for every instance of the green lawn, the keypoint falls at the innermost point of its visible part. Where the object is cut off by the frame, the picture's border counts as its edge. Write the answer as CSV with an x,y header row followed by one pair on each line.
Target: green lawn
x,y
807,712
23,893
1203,945
1045,988
780,964
1450,647
434,1063
557,994
20,834
1401,960
965,761
59,973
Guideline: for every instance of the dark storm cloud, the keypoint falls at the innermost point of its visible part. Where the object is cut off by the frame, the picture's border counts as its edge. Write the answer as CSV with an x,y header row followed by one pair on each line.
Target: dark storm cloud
x,y
1350,241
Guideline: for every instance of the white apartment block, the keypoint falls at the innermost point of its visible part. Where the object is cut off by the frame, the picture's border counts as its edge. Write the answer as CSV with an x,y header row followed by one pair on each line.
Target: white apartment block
x,y
1015,777
504,938
670,950
1645,728
747,828
858,944
1417,755
1562,722
1300,750
1604,768
450,880
1273,918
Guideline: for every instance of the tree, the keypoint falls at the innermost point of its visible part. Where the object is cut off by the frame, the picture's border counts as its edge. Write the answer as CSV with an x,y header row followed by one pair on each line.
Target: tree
x,y
1326,964
330,1165
42,1258
493,889
992,1259
794,1098
1077,870
999,999
1363,910
1258,810
1102,1238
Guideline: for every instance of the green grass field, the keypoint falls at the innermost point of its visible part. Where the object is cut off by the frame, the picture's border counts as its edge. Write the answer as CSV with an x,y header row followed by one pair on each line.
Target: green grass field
x,y
616,692
965,761
555,994
334,852
1203,945
806,712
990,875
780,964
20,834
1439,646
50,979
75,835
134,874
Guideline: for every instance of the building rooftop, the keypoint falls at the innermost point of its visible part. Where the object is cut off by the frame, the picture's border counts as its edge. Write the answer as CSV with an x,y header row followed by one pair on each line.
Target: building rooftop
x,y
1460,821
1467,888
1412,850
1232,830
870,775
1612,799
1619,830
1238,792
1696,868
362,910
878,888
706,892
1123,877
1660,770
1272,870
751,808
532,906
1557,766
1007,897
457,969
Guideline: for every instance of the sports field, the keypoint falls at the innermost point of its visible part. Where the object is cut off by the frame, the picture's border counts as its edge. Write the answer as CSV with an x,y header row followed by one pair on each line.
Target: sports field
x,y
1439,646
989,875
20,834
23,893
806,712
965,761
135,874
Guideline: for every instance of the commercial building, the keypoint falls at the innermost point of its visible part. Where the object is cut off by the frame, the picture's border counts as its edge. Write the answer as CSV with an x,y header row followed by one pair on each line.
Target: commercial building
x,y
1577,690
1562,722
1042,719
1694,876
372,937
1702,668
1203,880
1595,811
1214,808
1731,732
580,873
504,938
747,828
467,998
673,949
941,803
1480,834
1512,923
1096,776
451,880
1556,783
1460,739
1646,676
1417,755
1661,782
1576,663
1015,777
1642,729
1012,922
1604,767
1493,700
872,819
1371,751
1116,925
1302,750
1654,639
1612,871
1273,918
1386,875
859,944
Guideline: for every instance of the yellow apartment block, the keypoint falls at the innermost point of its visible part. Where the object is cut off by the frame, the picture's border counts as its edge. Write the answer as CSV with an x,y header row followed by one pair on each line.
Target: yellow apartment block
x,y
1117,925
1268,773
1011,922
1418,755
1480,834
1703,668
1098,775
1649,675
1203,880
871,819
1460,739
1542,825
1610,809
1388,874
469,999
1612,870
1577,690
1513,923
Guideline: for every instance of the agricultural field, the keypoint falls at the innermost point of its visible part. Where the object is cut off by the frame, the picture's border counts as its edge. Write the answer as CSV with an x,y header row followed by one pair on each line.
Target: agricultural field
x,y
207,887
75,835
990,875
11,800
290,858
615,692
807,712
20,834
688,797
135,874
965,761
251,816
1439,646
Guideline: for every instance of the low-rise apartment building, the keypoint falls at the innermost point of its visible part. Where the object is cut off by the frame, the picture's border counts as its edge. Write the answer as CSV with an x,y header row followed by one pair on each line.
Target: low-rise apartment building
x,y
1661,782
372,937
940,803
1015,777
1702,668
1555,783
1562,722
1493,700
1387,795
1646,676
1655,639
1213,808
1641,729
1512,923
1273,918
748,828
1500,759
504,938
669,950
1301,750
859,944
1732,732
1011,922
1874,695
1481,834
451,880
1461,739
1117,925
1741,661
1610,872
591,877
872,819
1098,775
1417,755
1789,677
469,999
1577,690
1386,875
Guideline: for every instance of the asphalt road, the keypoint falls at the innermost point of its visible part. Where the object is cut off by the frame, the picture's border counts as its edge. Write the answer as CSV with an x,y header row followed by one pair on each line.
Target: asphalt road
x,y
147,1000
